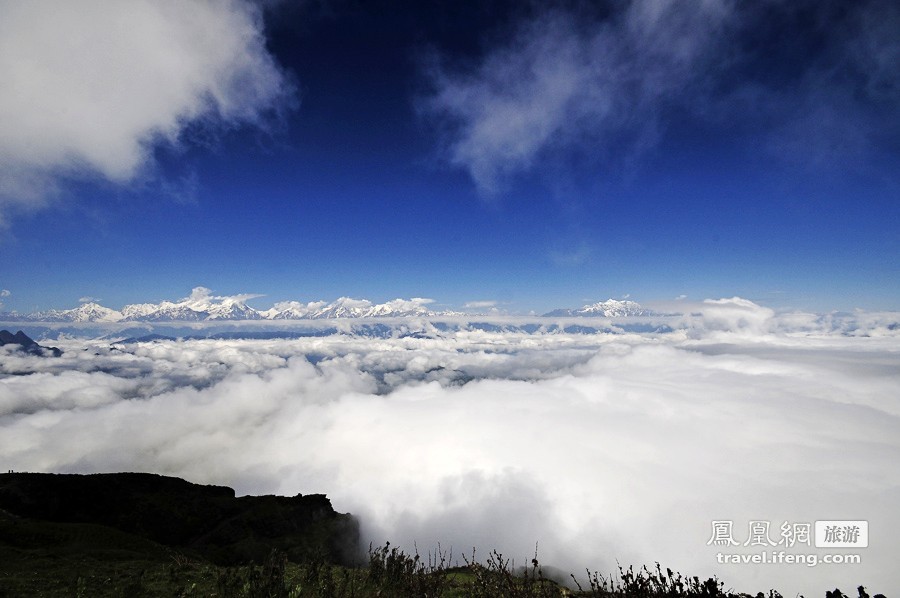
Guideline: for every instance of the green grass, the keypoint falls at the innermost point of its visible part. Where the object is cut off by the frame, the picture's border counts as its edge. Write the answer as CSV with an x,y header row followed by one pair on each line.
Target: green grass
x,y
40,558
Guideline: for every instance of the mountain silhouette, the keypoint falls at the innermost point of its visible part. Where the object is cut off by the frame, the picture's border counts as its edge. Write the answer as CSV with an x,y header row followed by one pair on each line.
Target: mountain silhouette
x,y
26,344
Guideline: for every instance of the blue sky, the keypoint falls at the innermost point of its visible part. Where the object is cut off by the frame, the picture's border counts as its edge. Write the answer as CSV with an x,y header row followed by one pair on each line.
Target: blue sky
x,y
537,155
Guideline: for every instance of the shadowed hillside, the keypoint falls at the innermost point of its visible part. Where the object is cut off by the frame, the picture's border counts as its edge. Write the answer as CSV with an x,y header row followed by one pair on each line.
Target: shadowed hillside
x,y
206,520
26,344
138,534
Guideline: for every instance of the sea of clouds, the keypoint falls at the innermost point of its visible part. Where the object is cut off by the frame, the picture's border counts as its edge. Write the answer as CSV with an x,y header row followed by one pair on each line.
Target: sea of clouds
x,y
603,448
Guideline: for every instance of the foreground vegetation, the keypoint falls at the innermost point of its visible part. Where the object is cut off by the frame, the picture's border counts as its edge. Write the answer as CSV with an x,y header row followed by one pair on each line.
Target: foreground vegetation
x,y
134,535
389,573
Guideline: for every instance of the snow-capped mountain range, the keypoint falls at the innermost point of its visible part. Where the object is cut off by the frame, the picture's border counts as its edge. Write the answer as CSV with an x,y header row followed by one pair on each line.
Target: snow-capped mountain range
x,y
610,308
202,305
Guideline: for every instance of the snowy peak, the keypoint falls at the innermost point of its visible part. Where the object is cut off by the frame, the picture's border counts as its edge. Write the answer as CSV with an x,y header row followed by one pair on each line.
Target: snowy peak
x,y
202,301
232,311
611,308
138,311
87,312
345,307
200,305
292,310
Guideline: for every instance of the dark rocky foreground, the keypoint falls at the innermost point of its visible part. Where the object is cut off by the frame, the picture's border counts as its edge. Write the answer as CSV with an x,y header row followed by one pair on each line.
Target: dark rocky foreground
x,y
136,534
208,521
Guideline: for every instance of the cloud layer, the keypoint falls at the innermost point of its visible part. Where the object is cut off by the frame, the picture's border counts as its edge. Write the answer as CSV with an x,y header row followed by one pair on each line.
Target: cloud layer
x,y
91,88
599,447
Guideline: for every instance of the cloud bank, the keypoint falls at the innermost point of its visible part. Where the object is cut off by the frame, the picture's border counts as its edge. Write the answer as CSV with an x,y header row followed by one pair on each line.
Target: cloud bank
x,y
90,89
599,447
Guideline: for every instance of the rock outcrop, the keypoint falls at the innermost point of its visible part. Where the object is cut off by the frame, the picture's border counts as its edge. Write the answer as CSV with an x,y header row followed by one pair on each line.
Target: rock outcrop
x,y
209,521
26,344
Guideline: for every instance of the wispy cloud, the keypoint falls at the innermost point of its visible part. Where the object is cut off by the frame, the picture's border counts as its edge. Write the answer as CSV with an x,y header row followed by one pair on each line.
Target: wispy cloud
x,y
565,81
480,304
573,256
91,88
202,296
845,107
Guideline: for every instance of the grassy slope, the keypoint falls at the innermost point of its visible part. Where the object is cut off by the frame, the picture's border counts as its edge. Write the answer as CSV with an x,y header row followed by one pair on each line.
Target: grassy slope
x,y
44,558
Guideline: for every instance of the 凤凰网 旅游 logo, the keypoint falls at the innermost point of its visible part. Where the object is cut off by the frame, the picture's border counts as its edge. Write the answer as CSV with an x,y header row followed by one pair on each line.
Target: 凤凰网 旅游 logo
x,y
825,534
785,543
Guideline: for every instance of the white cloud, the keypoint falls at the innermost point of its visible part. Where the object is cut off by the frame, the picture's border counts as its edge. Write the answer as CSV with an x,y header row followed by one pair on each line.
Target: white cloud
x,y
566,81
600,447
480,304
731,316
87,299
562,79
91,87
201,297
5,293
407,304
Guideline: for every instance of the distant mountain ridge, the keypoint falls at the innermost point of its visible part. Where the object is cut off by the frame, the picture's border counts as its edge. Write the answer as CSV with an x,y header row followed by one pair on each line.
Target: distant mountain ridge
x,y
202,306
611,308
